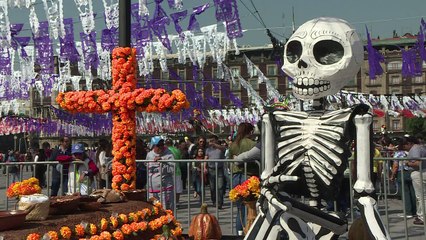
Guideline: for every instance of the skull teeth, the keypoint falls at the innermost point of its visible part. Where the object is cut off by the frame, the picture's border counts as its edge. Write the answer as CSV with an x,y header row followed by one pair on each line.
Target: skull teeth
x,y
310,86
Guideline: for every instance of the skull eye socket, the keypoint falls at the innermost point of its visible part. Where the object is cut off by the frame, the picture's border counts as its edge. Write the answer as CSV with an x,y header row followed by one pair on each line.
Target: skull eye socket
x,y
294,51
328,52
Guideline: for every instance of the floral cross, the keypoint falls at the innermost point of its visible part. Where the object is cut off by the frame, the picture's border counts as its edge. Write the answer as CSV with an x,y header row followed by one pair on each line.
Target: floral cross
x,y
123,100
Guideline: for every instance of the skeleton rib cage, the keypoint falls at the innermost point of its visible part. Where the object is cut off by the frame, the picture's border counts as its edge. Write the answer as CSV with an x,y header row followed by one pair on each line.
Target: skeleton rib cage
x,y
312,146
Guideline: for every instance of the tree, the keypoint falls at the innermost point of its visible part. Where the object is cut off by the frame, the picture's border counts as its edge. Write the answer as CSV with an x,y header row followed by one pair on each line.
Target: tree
x,y
416,126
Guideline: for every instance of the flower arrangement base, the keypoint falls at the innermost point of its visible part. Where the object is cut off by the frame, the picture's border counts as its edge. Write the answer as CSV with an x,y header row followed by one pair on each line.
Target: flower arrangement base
x,y
54,223
251,214
36,205
12,219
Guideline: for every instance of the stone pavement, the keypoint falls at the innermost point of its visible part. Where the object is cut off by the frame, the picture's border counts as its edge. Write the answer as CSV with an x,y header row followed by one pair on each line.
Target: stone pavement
x,y
228,214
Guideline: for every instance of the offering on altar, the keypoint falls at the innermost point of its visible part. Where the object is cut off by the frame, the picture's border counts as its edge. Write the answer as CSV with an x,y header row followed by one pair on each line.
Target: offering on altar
x,y
247,191
26,187
150,221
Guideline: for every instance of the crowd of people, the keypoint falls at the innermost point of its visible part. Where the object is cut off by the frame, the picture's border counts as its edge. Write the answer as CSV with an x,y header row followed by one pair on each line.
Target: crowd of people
x,y
167,179
405,173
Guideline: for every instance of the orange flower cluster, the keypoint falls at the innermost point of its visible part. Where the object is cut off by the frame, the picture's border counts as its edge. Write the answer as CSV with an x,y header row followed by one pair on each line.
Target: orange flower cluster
x,y
249,190
26,187
141,100
123,100
147,221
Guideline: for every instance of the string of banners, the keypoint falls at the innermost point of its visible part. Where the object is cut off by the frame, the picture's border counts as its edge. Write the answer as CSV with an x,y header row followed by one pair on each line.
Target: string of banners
x,y
149,35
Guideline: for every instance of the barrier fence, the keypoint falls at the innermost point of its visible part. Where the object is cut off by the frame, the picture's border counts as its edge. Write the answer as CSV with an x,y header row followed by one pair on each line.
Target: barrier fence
x,y
385,189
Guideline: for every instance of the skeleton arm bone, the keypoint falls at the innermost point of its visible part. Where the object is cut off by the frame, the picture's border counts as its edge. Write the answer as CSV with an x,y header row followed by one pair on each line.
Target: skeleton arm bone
x,y
363,182
268,147
368,208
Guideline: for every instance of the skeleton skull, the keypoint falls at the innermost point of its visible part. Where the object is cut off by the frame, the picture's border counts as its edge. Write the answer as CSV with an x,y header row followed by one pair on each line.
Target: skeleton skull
x,y
322,56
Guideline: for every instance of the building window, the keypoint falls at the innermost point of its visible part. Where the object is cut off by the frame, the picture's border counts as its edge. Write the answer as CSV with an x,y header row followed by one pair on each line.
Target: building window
x,y
217,97
396,65
235,71
165,75
418,79
418,91
254,83
396,125
395,91
374,81
182,86
271,70
182,74
395,79
235,85
274,82
253,71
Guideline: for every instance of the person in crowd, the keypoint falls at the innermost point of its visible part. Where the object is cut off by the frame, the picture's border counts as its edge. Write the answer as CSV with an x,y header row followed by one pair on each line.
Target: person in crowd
x,y
184,165
377,167
201,143
39,169
416,151
402,173
242,143
141,171
13,169
81,176
28,158
178,173
215,151
189,144
103,158
160,175
63,155
198,173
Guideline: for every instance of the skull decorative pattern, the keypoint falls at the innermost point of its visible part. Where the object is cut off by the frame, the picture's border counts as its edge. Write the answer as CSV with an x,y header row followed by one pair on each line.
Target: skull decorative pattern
x,y
322,56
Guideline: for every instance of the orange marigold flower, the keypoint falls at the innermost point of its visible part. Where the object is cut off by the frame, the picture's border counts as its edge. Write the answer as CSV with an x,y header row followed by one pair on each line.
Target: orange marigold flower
x,y
79,230
123,218
126,229
53,235
105,235
114,222
142,226
118,235
95,237
133,217
125,187
93,229
104,224
65,232
34,236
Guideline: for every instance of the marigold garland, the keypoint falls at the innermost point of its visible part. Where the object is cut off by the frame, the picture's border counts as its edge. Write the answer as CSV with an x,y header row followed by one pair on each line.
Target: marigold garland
x,y
249,190
121,225
123,100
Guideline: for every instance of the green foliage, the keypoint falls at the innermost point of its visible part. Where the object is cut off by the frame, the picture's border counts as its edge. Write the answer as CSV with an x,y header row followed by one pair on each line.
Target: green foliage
x,y
416,126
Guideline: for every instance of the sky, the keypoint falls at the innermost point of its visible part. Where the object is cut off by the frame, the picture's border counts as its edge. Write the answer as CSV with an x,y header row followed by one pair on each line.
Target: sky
x,y
381,17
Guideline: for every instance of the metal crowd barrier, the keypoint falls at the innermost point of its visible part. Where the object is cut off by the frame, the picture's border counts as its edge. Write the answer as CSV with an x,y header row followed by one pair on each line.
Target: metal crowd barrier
x,y
48,175
188,163
383,193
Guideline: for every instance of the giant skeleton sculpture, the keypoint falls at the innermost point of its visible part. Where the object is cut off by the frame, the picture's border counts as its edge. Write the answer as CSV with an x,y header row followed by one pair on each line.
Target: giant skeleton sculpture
x,y
306,153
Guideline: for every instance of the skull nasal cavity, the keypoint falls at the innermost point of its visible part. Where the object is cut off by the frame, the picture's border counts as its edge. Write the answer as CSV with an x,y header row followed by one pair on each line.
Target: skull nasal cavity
x,y
302,64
